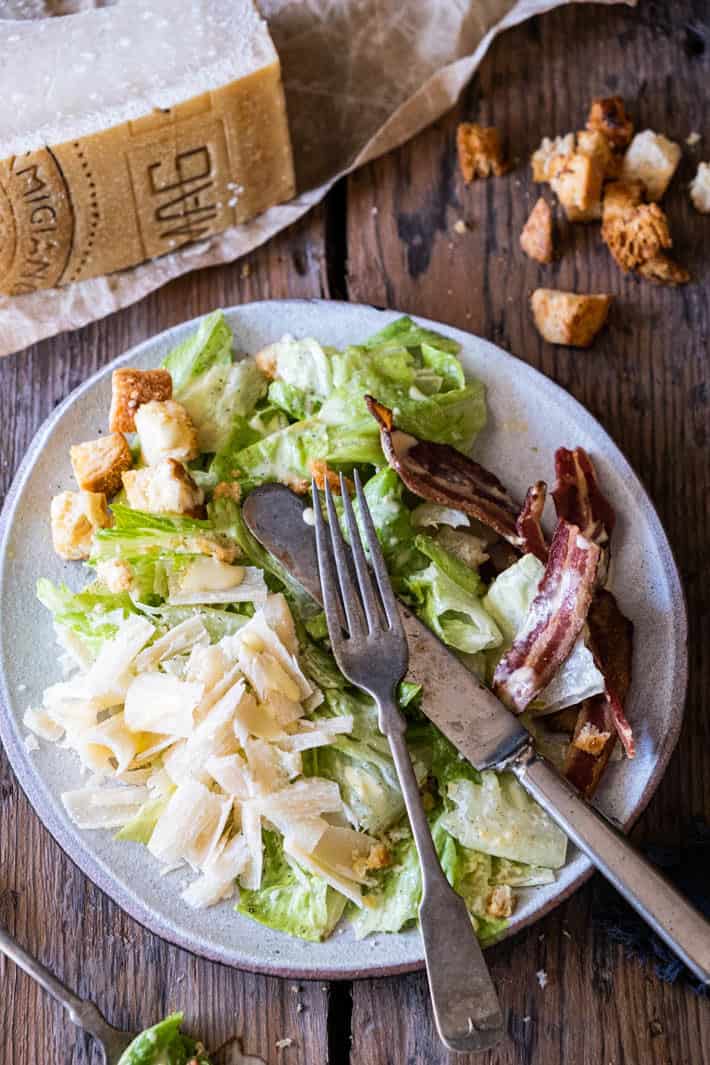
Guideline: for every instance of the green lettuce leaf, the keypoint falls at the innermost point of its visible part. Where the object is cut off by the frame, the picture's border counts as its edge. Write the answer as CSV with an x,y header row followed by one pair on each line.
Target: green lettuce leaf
x,y
287,455
93,614
163,1044
295,402
210,345
221,396
140,828
291,899
498,817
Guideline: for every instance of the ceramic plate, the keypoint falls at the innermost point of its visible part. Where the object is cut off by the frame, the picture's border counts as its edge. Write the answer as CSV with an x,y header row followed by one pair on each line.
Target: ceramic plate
x,y
529,418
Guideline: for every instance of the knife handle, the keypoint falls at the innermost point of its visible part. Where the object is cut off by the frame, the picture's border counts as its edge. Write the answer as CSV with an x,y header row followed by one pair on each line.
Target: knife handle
x,y
671,917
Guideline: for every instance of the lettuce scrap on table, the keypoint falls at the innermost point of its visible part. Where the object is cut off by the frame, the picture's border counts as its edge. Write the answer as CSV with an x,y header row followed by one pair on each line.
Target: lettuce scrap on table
x,y
200,694
164,1044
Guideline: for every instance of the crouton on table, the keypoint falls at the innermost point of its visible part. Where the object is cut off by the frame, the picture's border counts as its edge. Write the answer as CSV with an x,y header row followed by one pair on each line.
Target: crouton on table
x,y
607,115
74,516
131,388
166,488
700,189
577,181
165,430
568,317
652,159
550,149
536,239
633,231
99,464
479,151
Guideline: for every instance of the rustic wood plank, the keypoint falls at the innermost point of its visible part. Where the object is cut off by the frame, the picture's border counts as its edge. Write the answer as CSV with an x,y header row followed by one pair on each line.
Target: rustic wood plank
x,y
52,909
646,379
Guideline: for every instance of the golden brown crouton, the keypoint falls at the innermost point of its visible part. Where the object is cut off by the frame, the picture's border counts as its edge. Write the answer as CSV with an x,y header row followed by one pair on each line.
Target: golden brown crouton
x,y
228,490
634,232
479,151
266,360
164,488
130,389
652,159
378,858
99,464
591,739
593,143
322,473
568,317
664,271
578,185
166,431
545,158
608,116
74,516
536,237
501,901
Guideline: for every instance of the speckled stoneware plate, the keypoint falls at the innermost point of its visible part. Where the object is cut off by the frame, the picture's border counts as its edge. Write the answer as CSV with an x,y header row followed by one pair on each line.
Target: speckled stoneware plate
x,y
529,417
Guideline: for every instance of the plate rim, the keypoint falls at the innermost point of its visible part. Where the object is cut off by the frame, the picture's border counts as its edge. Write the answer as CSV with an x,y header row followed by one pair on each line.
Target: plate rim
x,y
92,867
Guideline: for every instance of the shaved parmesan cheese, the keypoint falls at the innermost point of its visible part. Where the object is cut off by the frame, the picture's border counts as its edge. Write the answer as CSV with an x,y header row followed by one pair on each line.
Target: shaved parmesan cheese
x,y
206,666
215,733
107,679
107,742
318,733
150,753
159,702
182,637
345,851
267,771
75,648
278,617
103,807
305,833
190,825
428,514
39,722
258,635
231,773
207,580
305,798
253,719
285,711
341,883
251,829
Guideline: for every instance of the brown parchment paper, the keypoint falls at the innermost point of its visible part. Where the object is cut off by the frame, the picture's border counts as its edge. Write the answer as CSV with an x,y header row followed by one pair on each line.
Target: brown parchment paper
x,y
361,77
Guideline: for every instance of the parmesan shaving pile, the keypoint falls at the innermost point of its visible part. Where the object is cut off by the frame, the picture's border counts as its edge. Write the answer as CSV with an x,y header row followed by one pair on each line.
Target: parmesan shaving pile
x,y
195,747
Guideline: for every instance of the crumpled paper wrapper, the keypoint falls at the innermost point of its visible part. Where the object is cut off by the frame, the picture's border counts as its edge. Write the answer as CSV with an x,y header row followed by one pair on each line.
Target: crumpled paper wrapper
x,y
361,77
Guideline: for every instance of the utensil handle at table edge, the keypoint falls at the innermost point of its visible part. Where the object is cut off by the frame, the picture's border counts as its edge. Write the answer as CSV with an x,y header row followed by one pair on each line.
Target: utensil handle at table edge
x,y
669,914
466,1008
82,1013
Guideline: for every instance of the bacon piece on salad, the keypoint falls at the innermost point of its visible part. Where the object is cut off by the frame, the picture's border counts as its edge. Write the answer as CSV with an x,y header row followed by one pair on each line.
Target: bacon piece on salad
x,y
529,520
442,474
578,497
554,619
612,640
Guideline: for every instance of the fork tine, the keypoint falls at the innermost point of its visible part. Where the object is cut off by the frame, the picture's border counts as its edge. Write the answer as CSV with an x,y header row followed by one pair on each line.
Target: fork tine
x,y
367,588
348,592
326,570
378,563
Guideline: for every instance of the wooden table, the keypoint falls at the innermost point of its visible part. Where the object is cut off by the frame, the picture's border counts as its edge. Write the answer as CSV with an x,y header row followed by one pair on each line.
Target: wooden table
x,y
386,236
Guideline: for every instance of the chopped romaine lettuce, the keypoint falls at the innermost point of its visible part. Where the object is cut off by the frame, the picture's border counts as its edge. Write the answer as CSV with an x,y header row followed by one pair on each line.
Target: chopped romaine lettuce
x,y
390,515
218,397
210,345
164,1044
303,365
291,899
92,614
499,818
293,401
140,828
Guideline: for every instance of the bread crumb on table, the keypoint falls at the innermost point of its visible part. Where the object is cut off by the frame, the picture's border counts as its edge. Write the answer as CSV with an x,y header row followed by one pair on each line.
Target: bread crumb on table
x,y
652,159
536,238
479,151
569,318
693,138
700,189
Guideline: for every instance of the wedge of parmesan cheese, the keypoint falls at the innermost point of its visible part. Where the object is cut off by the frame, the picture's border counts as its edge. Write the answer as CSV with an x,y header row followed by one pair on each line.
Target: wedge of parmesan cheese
x,y
144,126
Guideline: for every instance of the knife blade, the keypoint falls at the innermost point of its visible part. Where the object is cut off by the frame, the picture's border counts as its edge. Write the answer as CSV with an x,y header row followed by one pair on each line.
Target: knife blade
x,y
453,698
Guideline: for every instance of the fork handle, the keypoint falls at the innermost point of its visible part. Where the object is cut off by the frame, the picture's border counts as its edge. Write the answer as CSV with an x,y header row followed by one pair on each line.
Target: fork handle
x,y
466,1008
82,1013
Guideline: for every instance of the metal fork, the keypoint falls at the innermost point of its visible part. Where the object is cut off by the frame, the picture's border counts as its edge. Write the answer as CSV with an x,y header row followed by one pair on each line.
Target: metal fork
x,y
370,647
82,1013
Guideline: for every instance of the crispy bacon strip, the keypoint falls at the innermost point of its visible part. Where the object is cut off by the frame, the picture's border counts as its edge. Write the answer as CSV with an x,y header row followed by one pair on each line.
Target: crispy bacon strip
x,y
578,497
529,525
441,474
612,640
554,620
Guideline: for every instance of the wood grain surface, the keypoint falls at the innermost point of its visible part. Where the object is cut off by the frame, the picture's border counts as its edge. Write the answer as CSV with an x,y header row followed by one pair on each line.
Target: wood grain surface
x,y
387,236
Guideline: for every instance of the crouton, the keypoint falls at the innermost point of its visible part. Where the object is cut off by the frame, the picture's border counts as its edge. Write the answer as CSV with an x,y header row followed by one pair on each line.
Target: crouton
x,y
321,473
115,574
652,159
578,185
479,151
228,490
608,115
164,488
165,431
700,189
74,516
550,149
130,389
591,739
634,232
536,237
663,271
501,901
379,857
99,464
594,144
266,360
567,317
